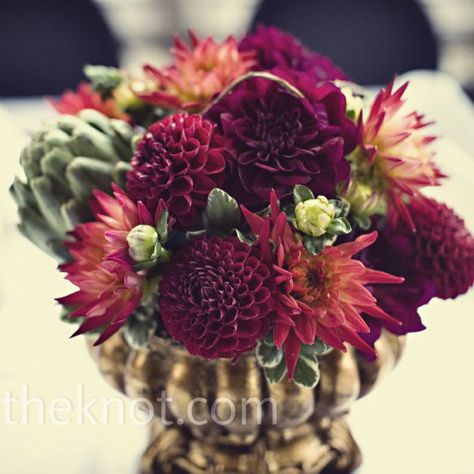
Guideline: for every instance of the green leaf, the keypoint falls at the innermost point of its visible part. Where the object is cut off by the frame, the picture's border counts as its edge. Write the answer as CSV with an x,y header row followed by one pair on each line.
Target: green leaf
x,y
275,374
363,222
314,245
339,226
86,174
268,356
302,193
65,313
341,207
306,372
246,239
136,139
192,234
268,339
162,226
312,350
104,79
222,210
139,328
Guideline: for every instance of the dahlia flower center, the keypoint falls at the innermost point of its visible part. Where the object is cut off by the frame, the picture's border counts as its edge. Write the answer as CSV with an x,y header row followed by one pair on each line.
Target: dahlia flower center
x,y
310,281
276,133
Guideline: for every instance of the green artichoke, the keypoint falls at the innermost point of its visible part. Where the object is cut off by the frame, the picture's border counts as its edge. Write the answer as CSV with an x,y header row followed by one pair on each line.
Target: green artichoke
x,y
63,164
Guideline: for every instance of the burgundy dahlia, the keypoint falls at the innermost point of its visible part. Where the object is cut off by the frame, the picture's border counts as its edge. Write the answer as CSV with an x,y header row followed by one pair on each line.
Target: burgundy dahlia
x,y
436,260
217,297
180,160
277,49
279,139
444,247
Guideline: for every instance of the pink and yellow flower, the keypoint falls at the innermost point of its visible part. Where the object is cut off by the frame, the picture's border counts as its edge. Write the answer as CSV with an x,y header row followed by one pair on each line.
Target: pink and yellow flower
x,y
197,74
101,267
395,158
72,102
320,296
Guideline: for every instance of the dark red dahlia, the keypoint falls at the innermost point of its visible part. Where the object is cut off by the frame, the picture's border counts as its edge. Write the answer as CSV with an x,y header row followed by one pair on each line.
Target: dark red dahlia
x,y
180,160
277,49
443,247
217,297
279,139
436,260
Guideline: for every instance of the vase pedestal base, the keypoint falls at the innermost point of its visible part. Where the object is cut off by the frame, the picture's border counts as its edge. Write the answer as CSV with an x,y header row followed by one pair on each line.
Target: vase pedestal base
x,y
324,447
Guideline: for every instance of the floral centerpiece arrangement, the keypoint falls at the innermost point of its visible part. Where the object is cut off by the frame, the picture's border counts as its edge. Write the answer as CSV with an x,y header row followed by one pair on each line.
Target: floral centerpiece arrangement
x,y
246,197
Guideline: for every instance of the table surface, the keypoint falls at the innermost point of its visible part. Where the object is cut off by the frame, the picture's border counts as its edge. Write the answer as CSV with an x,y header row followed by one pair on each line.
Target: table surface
x,y
420,419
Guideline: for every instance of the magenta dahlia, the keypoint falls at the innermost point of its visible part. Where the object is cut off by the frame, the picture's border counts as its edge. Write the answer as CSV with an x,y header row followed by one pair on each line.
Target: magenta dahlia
x,y
396,157
435,260
199,71
216,297
441,248
276,49
279,139
180,160
109,289
323,295
72,102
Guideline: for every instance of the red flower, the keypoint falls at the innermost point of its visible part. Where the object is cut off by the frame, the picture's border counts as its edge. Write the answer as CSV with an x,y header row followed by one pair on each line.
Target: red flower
x,y
441,249
279,139
321,295
198,73
72,102
109,288
180,160
216,297
396,154
277,49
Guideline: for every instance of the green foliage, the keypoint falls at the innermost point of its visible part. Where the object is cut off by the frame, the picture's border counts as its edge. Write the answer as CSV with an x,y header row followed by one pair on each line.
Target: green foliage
x,y
273,362
104,79
302,193
222,211
142,325
63,163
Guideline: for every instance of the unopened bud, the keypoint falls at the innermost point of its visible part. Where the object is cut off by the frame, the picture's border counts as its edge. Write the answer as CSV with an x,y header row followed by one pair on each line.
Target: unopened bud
x,y
314,216
142,241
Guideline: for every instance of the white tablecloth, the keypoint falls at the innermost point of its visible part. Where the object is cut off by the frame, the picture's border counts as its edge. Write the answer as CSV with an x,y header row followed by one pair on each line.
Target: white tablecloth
x,y
419,420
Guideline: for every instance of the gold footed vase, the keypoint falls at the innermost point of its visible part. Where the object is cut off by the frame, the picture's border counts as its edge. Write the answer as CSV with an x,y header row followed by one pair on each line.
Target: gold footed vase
x,y
239,423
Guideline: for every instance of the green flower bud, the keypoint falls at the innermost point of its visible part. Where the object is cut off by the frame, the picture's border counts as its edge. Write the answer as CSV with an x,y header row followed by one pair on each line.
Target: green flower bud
x,y
354,103
125,97
362,198
314,216
142,242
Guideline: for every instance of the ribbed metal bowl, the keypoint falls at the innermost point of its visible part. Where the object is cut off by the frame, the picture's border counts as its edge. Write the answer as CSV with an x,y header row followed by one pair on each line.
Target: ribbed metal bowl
x,y
302,431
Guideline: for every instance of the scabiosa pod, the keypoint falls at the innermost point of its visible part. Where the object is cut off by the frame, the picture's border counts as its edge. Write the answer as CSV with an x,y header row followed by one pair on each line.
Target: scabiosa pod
x,y
110,287
320,295
197,74
394,156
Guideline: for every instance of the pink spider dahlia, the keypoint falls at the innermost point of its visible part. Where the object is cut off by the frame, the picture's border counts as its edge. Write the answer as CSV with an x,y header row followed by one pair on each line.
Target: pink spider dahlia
x,y
109,288
321,295
197,74
72,102
396,153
